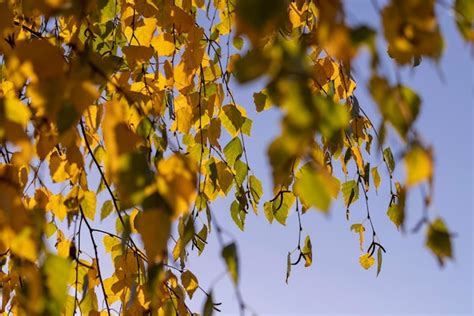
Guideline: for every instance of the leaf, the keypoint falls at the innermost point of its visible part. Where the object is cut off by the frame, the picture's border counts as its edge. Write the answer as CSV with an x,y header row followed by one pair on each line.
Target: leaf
x,y
238,42
268,211
208,306
419,165
279,208
238,215
24,246
396,215
316,188
359,229
106,209
251,66
388,156
350,192
57,271
190,282
464,11
229,253
202,238
438,240
154,240
233,150
176,182
288,267
88,204
379,260
163,44
375,177
145,128
262,101
307,252
366,261
241,170
256,190
232,119
57,207
358,159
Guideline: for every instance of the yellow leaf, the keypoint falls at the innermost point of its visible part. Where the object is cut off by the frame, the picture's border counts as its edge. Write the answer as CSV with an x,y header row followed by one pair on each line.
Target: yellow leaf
x,y
16,111
360,229
366,261
62,245
154,227
190,282
163,44
137,55
57,207
184,114
419,165
177,182
358,159
141,34
23,245
88,204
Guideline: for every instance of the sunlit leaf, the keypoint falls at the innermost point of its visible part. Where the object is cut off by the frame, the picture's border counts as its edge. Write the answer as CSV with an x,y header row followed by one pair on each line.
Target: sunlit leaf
x,y
366,261
307,252
190,282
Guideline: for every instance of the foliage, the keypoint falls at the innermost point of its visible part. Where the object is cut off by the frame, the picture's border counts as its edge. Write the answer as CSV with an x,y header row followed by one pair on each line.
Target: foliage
x,y
126,107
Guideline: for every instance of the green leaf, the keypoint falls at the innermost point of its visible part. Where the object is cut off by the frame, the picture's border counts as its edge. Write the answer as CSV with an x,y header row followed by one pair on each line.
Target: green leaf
x,y
57,271
109,9
231,119
241,169
396,215
307,252
316,188
464,12
334,117
388,156
238,215
106,209
238,42
379,260
208,306
438,240
229,253
233,150
279,207
246,126
256,188
202,238
268,211
350,192
145,127
375,177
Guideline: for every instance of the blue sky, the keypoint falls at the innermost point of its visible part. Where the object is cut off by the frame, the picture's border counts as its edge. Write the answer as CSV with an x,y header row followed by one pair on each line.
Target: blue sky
x,y
411,282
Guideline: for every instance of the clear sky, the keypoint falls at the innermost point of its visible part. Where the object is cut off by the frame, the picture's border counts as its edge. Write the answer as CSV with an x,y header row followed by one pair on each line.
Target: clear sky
x,y
411,282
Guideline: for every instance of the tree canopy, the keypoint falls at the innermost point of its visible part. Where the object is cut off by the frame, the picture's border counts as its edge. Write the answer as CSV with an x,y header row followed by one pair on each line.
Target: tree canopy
x,y
119,128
